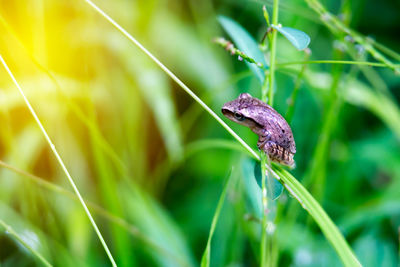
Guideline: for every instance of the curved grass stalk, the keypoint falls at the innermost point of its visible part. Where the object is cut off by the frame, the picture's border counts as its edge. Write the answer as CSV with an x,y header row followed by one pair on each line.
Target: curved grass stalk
x,y
295,188
11,231
60,161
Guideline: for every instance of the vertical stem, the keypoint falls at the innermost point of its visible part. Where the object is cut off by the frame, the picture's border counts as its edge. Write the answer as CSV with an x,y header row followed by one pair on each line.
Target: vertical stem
x,y
263,245
272,55
264,160
268,93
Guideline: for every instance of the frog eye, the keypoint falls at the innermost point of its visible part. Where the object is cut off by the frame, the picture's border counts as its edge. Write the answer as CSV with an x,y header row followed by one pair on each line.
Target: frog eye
x,y
238,116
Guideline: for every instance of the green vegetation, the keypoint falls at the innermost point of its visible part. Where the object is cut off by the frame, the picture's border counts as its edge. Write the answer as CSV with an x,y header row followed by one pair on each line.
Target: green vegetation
x,y
164,184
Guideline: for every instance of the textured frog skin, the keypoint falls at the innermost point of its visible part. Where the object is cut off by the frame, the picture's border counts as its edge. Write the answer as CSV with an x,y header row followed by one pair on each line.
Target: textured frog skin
x,y
275,136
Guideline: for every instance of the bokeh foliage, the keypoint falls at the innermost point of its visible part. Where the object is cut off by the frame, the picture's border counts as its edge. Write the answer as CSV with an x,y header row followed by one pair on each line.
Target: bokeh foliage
x,y
153,164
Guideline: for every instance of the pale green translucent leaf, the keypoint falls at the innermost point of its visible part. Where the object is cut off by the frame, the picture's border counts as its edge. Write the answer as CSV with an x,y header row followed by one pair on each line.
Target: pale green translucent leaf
x,y
299,39
274,187
252,190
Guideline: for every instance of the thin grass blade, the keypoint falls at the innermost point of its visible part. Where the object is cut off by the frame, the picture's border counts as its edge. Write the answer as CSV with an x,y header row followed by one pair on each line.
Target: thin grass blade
x,y
205,259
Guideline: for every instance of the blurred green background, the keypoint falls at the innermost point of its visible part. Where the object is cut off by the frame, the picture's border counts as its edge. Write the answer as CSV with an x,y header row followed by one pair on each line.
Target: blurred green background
x,y
153,164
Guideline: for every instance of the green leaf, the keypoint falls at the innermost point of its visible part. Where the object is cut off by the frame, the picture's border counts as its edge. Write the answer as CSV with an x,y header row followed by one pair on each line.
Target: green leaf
x,y
253,191
246,43
274,187
299,39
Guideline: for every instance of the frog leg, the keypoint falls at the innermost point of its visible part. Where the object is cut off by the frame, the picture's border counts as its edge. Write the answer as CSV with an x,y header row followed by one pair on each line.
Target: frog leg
x,y
273,150
263,139
278,153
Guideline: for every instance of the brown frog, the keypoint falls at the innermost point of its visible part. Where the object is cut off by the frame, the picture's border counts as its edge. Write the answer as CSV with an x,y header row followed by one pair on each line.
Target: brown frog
x,y
275,136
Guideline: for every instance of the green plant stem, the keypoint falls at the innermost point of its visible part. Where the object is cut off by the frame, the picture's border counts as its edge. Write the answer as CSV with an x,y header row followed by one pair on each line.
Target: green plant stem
x,y
264,199
263,244
370,74
387,50
331,232
335,24
266,259
228,45
273,53
345,62
11,231
61,162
